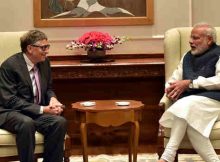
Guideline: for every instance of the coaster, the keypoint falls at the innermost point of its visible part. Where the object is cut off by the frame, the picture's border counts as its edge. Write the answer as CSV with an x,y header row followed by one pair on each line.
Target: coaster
x,y
88,103
122,103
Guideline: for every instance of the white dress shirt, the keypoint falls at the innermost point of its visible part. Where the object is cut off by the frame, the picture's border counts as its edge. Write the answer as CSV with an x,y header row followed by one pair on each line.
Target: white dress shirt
x,y
30,66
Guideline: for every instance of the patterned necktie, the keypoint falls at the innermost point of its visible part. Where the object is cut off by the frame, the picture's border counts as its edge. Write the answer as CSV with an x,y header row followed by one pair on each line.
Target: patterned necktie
x,y
36,84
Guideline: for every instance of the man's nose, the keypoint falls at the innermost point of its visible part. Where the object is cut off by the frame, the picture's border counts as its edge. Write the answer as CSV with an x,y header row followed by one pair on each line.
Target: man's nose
x,y
190,41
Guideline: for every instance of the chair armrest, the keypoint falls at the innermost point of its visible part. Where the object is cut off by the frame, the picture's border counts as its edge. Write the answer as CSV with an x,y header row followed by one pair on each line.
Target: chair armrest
x,y
165,102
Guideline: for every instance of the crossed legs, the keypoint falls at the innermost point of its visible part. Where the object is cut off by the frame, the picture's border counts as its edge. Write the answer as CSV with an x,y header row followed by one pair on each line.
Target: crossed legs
x,y
201,144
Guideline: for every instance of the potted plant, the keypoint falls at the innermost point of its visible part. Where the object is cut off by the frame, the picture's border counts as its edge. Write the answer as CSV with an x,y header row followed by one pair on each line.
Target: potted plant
x,y
96,43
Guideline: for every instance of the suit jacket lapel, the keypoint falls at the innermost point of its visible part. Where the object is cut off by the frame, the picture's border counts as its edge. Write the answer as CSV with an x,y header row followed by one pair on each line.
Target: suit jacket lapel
x,y
25,71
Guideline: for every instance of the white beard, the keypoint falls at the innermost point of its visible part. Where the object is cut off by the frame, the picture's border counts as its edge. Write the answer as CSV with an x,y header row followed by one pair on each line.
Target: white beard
x,y
199,51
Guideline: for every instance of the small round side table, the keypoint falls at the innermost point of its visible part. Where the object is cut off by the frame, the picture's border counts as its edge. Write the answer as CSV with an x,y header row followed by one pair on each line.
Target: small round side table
x,y
107,113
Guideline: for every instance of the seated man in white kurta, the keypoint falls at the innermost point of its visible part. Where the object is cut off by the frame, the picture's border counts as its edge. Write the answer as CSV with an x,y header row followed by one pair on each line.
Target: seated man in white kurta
x,y
195,88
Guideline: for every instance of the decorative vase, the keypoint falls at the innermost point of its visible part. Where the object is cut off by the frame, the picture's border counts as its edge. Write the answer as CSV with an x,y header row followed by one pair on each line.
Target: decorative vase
x,y
97,54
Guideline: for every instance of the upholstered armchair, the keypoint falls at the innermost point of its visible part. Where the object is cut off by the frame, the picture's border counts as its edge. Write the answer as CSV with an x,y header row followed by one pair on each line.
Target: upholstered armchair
x,y
10,44
176,44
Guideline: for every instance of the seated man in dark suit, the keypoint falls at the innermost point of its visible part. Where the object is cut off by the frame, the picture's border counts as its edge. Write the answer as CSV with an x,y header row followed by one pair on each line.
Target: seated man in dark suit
x,y
27,101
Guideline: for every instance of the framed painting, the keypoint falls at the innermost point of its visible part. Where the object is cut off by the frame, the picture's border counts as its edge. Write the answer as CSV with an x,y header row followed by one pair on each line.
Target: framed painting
x,y
64,13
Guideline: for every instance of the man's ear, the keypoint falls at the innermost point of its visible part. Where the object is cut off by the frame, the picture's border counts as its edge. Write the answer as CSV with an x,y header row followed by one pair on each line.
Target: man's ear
x,y
210,40
29,49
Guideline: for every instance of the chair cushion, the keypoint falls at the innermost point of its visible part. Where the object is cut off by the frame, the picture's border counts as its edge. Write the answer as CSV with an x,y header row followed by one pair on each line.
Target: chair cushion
x,y
7,138
8,144
6,151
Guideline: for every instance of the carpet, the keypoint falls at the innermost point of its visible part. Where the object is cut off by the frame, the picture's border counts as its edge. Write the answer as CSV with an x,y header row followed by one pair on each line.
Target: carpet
x,y
117,158
141,158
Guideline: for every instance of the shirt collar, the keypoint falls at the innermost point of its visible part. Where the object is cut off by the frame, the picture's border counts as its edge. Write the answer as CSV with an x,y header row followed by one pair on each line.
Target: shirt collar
x,y
30,65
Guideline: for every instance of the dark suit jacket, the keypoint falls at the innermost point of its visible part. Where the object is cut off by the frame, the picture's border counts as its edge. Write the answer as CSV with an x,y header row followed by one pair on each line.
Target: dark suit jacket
x,y
16,91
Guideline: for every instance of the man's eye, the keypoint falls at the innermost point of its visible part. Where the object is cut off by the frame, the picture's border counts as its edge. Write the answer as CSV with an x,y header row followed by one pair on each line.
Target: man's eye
x,y
195,38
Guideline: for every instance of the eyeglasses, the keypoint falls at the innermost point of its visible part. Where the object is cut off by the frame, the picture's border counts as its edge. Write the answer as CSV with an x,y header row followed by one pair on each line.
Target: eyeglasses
x,y
43,48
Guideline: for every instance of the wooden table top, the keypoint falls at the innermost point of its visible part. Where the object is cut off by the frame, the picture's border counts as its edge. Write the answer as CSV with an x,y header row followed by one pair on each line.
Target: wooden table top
x,y
107,105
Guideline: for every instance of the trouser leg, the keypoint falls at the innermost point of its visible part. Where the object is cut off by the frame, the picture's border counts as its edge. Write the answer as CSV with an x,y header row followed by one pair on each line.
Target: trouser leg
x,y
23,127
177,133
202,145
54,129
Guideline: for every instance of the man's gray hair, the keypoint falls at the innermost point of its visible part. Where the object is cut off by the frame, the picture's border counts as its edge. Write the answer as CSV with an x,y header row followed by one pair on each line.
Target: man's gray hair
x,y
209,31
31,37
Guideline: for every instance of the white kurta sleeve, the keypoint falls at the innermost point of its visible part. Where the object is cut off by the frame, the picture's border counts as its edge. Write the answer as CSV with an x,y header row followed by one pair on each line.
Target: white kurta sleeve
x,y
177,74
211,83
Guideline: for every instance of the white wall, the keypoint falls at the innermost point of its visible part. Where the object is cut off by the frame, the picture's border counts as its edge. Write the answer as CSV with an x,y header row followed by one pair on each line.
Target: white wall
x,y
206,10
17,15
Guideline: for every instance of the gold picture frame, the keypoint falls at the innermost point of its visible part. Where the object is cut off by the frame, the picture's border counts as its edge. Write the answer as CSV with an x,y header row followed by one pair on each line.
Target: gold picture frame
x,y
44,18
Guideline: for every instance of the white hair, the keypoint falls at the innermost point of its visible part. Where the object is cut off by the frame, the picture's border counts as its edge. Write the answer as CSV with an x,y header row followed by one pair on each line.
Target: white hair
x,y
209,30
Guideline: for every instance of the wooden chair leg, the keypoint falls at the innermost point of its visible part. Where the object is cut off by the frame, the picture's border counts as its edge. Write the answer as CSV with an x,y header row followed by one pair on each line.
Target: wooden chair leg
x,y
160,137
160,141
66,159
176,158
35,159
67,149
